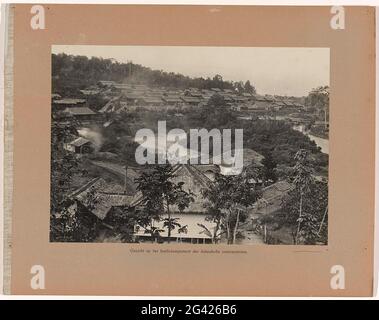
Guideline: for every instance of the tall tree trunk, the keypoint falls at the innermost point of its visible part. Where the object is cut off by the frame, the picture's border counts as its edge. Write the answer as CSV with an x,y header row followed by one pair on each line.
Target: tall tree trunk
x,y
300,212
236,226
322,221
169,222
147,229
228,228
293,234
126,178
214,240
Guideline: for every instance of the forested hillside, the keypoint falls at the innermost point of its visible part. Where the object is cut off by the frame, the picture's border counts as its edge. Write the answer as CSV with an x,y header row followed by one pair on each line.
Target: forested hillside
x,y
70,73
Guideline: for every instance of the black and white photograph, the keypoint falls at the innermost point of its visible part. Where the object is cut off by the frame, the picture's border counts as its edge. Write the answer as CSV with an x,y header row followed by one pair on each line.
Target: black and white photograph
x,y
189,145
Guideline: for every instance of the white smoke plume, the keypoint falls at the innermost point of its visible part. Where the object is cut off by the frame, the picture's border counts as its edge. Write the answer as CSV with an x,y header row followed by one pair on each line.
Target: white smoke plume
x,y
92,135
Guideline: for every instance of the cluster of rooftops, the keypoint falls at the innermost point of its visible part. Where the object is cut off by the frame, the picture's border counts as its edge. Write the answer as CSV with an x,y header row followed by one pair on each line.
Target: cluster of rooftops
x,y
112,195
143,95
193,96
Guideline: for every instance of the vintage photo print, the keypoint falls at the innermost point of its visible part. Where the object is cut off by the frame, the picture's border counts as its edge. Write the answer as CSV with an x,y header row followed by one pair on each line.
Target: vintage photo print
x,y
196,145
182,151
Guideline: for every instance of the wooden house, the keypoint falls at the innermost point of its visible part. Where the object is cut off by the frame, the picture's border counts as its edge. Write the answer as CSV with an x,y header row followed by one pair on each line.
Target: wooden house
x,y
149,101
80,146
193,101
194,180
61,104
81,114
96,205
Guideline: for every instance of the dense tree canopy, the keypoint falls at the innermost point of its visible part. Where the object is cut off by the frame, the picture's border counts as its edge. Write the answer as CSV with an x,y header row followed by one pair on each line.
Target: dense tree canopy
x,y
226,200
307,204
159,195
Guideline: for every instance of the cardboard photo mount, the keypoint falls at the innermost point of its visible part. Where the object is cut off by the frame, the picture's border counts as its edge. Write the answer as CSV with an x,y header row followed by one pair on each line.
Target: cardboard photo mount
x,y
118,268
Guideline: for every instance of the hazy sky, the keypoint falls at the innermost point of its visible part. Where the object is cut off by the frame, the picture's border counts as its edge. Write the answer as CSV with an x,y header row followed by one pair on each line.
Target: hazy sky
x,y
282,71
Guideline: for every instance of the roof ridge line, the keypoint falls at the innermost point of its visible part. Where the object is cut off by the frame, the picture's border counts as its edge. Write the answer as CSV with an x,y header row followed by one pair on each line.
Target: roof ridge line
x,y
84,187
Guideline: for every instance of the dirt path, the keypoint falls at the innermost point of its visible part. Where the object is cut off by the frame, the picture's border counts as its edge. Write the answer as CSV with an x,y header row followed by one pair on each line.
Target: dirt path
x,y
249,237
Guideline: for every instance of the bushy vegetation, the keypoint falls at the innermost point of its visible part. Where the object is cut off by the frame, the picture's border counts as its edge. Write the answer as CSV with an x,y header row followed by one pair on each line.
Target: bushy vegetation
x,y
268,137
281,141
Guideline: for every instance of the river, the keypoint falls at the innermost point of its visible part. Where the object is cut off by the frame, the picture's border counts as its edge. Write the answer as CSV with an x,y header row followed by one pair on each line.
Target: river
x,y
321,142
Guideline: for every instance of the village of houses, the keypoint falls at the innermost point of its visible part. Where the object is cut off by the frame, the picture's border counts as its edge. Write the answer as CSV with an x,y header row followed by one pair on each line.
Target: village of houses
x,y
112,182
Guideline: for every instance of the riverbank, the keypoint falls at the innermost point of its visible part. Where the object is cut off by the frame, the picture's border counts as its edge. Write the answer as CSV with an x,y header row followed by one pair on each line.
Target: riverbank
x,y
323,143
318,134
